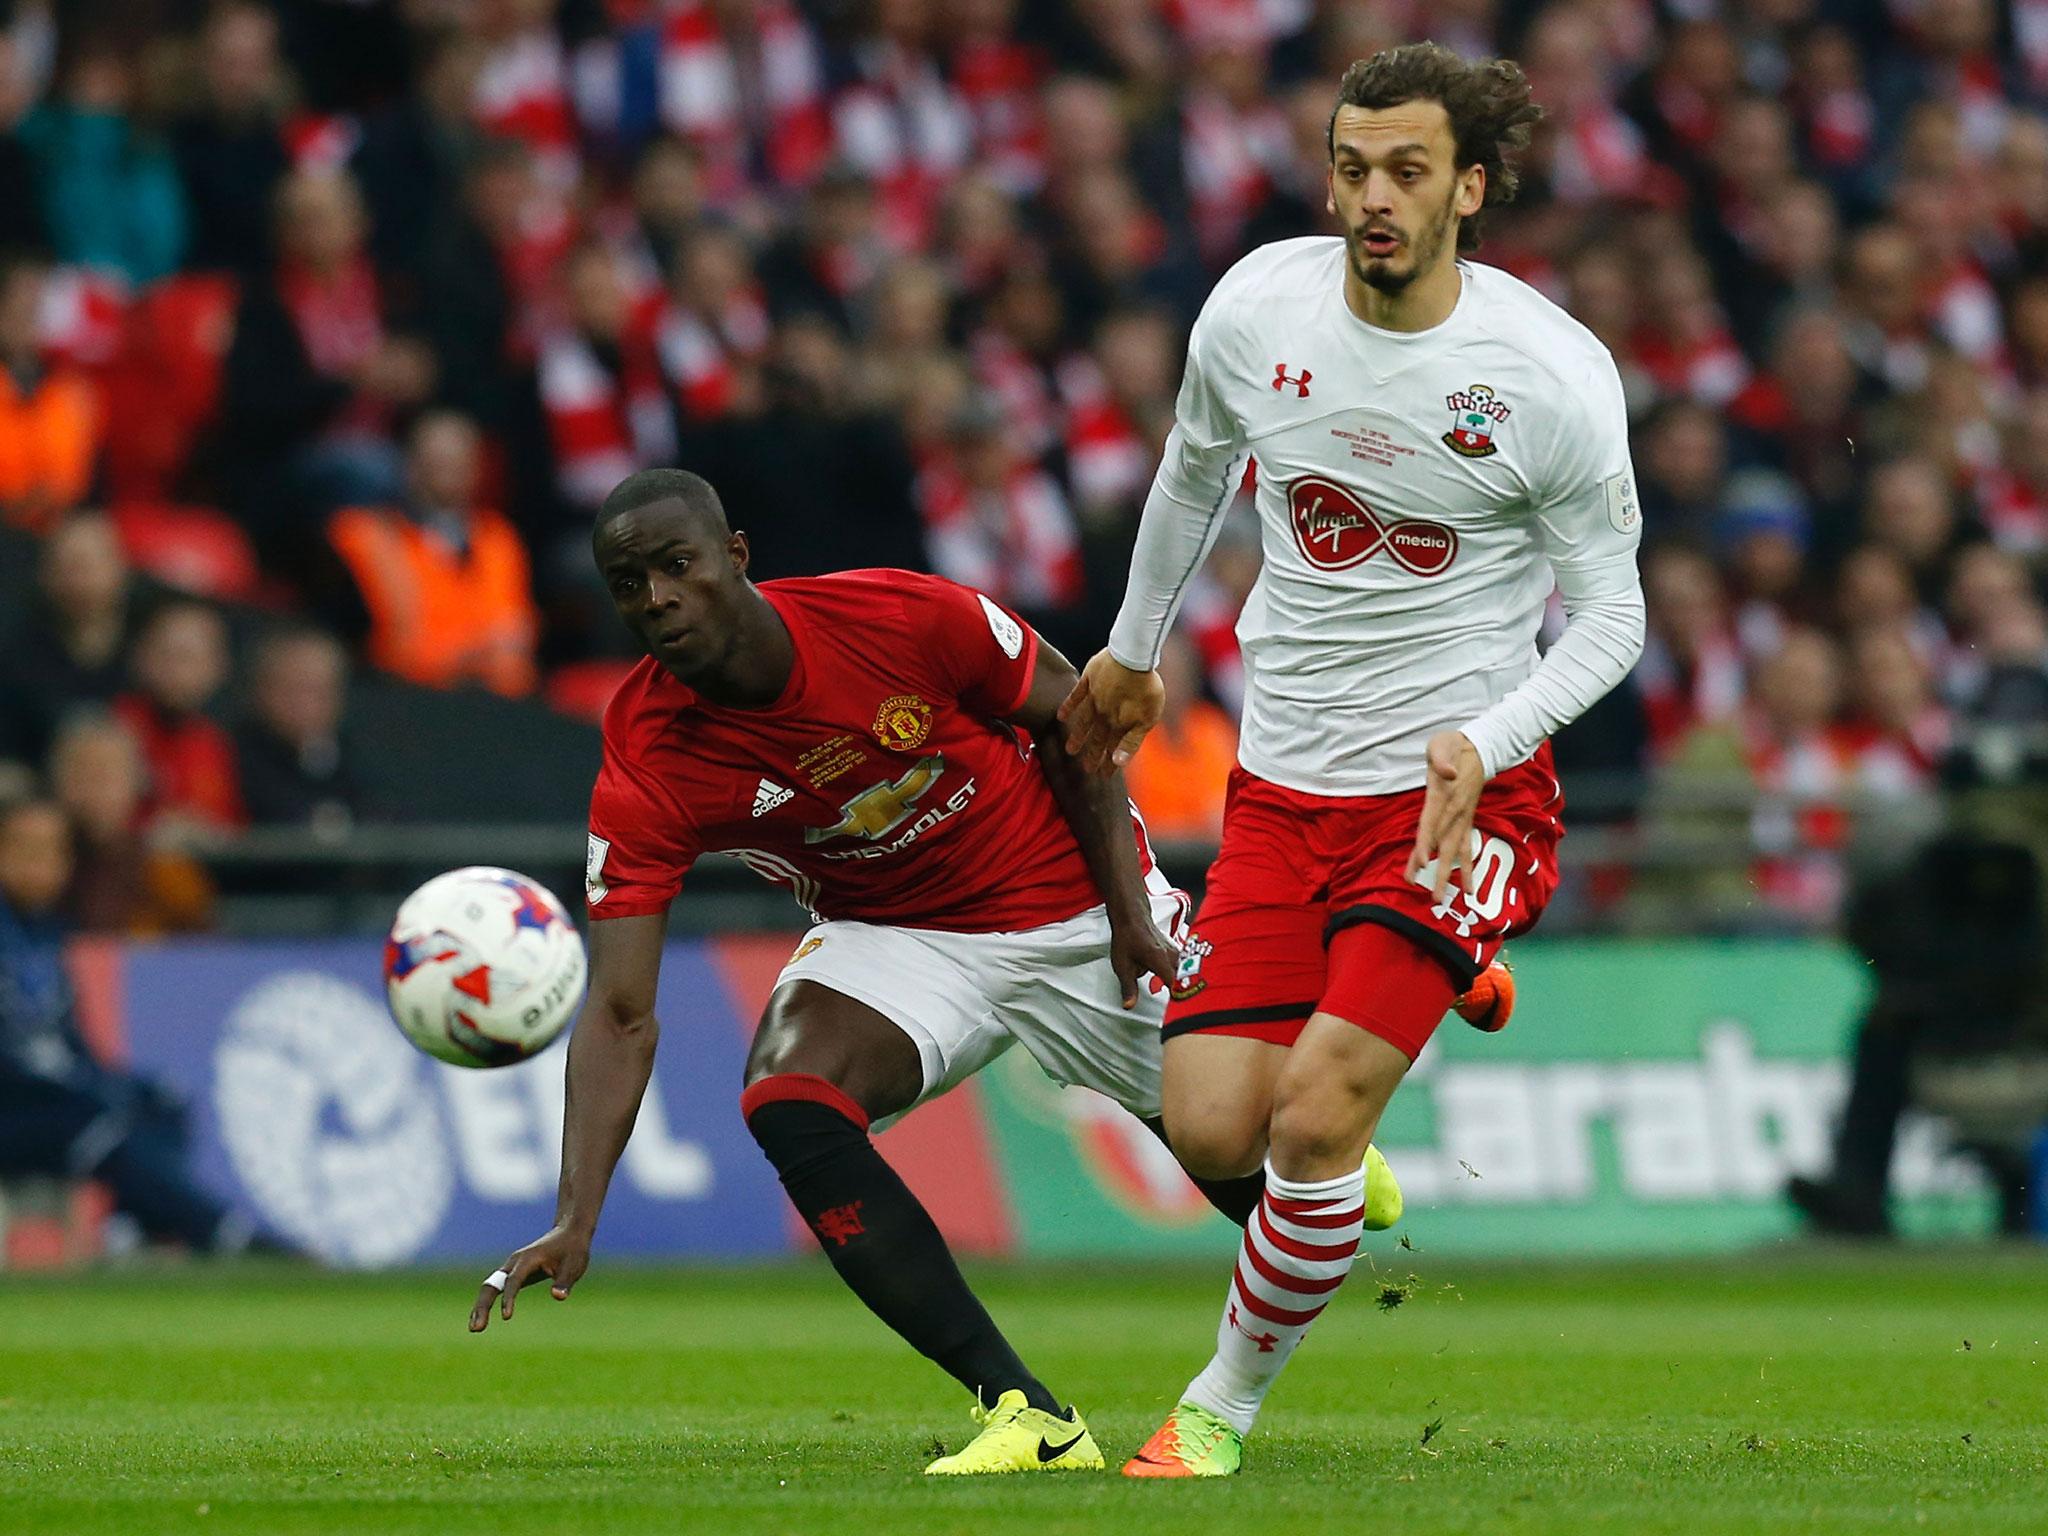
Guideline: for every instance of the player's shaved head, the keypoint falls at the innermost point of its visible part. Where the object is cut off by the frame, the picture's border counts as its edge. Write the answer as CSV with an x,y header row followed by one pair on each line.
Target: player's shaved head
x,y
677,574
693,492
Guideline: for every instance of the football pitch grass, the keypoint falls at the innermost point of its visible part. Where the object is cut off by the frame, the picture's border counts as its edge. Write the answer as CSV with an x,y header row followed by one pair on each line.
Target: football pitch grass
x,y
1793,1391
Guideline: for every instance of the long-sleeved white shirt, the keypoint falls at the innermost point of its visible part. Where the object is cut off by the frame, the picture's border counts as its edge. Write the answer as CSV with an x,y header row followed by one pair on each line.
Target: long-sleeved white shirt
x,y
1419,494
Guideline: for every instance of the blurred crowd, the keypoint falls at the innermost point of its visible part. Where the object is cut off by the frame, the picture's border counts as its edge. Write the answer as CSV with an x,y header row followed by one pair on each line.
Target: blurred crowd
x,y
352,313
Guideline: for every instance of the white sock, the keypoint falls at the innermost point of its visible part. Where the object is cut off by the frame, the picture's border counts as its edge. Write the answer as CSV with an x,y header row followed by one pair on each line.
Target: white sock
x,y
1297,1249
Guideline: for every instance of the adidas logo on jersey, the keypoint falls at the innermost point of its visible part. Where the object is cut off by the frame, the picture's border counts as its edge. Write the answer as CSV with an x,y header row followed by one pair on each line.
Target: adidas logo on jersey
x,y
769,796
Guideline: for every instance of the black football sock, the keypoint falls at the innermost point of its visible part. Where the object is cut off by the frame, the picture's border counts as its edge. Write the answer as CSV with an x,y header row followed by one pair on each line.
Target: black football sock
x,y
879,1236
1235,1198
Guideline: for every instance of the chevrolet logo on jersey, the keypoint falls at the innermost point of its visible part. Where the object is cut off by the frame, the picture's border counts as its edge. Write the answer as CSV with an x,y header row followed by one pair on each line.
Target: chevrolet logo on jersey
x,y
880,809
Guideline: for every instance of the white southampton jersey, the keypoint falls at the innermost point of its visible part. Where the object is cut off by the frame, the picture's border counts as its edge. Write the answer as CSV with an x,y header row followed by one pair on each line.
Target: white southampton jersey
x,y
1419,494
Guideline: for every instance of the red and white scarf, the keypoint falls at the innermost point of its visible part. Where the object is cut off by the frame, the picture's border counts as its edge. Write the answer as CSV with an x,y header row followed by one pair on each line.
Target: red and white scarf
x,y
603,425
726,100
1016,542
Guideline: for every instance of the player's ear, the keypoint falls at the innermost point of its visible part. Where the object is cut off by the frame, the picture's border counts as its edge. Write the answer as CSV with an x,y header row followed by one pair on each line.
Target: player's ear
x,y
737,551
1471,190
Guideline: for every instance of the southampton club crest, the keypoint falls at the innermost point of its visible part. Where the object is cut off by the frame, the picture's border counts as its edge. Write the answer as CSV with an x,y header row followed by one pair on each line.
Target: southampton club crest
x,y
1474,415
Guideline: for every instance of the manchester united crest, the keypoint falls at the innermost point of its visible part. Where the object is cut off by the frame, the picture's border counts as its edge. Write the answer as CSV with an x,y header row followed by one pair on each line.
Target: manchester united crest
x,y
903,722
1475,413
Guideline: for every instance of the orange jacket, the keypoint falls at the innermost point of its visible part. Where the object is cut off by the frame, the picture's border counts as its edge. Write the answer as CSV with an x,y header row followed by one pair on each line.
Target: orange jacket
x,y
49,443
438,617
1179,775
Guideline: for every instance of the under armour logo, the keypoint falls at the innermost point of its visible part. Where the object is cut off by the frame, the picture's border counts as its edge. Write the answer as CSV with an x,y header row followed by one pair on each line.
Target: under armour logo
x,y
1300,384
1265,1341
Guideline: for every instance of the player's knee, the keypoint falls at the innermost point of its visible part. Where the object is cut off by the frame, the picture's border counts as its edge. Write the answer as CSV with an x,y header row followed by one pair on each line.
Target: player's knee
x,y
1217,1149
1320,1117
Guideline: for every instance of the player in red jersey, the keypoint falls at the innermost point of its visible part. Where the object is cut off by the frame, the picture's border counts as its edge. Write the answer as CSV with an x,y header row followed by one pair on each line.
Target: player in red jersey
x,y
885,744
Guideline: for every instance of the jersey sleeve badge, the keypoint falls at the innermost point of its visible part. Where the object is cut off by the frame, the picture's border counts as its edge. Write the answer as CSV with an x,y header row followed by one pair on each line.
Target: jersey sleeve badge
x,y
1008,632
594,888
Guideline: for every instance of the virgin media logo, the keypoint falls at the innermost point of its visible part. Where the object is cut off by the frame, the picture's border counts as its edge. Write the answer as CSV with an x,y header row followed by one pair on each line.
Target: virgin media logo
x,y
1334,531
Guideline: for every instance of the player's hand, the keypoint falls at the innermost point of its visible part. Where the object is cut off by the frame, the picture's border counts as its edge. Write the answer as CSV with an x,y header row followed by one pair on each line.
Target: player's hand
x,y
563,1255
1137,948
1456,777
1109,713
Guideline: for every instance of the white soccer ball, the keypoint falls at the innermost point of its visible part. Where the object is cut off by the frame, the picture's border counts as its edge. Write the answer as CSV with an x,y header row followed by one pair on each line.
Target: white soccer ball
x,y
483,967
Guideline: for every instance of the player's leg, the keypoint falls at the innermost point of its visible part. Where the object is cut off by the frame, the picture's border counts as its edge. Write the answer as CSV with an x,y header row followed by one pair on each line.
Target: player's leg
x,y
1327,1097
823,1068
1397,962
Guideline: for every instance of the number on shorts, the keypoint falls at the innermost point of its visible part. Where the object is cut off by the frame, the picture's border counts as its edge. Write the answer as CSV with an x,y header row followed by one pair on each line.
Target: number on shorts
x,y
1485,892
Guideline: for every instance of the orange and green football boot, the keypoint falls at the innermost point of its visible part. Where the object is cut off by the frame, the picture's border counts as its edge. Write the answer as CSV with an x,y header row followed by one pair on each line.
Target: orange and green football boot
x,y
1491,1002
1192,1442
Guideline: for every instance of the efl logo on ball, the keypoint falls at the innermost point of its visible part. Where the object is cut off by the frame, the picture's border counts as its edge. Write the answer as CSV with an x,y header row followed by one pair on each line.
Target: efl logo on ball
x,y
1335,531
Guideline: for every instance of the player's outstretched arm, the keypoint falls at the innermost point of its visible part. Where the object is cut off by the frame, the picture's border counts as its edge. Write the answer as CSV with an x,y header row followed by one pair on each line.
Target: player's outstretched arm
x,y
1108,713
1098,808
611,1054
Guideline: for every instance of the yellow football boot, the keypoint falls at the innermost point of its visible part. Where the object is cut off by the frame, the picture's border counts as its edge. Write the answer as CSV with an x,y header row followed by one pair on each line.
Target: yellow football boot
x,y
1016,1437
1382,1193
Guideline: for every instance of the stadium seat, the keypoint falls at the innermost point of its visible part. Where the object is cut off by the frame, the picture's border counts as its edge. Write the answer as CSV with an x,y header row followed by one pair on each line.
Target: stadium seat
x,y
163,385
193,548
581,689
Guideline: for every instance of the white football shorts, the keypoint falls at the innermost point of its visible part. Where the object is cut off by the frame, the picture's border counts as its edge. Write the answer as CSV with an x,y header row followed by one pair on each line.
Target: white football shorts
x,y
965,998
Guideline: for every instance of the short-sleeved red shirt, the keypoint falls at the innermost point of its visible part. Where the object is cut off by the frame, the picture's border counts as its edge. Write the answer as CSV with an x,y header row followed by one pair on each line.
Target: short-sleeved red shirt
x,y
881,786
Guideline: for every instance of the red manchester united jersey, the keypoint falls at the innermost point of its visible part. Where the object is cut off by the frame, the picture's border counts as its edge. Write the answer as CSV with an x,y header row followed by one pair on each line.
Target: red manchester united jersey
x,y
881,786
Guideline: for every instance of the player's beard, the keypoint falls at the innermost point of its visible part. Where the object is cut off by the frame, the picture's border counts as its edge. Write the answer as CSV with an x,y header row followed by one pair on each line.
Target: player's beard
x,y
1424,251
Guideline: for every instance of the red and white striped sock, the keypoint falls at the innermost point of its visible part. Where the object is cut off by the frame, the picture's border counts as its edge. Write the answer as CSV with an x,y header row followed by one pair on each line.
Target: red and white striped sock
x,y
1297,1249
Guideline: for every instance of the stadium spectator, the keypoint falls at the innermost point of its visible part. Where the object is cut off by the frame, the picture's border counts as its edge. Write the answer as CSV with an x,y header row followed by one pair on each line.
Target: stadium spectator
x,y
829,476
485,280
21,201
1763,532
316,377
609,411
111,194
1691,673
413,151
1909,510
444,582
1178,781
230,143
1896,731
296,761
121,882
744,85
63,1112
69,648
1681,460
1119,409
712,325
828,259
180,664
50,413
996,521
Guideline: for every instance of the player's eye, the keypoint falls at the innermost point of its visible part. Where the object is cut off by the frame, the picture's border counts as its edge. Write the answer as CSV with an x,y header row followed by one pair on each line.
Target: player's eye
x,y
622,586
1409,173
677,564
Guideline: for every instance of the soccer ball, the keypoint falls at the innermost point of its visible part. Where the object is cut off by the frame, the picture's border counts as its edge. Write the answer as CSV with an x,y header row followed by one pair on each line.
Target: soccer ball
x,y
483,967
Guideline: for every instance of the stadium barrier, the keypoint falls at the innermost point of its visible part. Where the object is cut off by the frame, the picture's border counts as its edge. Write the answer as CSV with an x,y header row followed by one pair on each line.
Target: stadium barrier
x,y
1651,1097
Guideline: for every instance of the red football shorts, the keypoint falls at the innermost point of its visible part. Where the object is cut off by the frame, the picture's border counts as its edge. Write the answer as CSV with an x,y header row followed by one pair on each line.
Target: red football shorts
x,y
1309,909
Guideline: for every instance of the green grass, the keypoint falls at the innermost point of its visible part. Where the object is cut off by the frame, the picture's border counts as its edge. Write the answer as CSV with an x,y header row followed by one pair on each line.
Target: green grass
x,y
1796,1392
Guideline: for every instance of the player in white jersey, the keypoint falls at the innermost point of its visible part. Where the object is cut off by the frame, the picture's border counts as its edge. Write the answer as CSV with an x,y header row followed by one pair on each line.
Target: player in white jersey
x,y
1437,447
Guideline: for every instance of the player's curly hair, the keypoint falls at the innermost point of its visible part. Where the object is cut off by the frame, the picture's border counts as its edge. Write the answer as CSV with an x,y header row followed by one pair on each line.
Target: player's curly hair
x,y
1487,101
